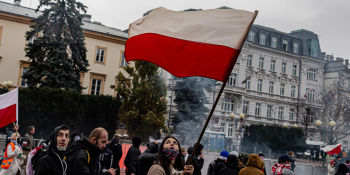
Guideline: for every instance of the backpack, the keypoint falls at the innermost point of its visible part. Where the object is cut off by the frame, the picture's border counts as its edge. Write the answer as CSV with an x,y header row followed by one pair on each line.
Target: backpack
x,y
33,158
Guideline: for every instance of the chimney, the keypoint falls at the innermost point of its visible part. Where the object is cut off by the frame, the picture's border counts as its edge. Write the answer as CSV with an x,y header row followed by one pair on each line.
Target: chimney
x,y
17,2
87,18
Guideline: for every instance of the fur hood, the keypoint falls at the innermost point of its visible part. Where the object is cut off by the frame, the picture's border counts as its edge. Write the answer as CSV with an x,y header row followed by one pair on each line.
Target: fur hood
x,y
255,161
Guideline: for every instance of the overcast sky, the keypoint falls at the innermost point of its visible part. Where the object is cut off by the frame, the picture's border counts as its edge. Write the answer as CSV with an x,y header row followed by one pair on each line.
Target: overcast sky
x,y
330,19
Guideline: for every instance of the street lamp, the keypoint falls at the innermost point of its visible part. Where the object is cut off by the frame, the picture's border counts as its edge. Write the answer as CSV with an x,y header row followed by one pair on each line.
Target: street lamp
x,y
295,125
285,125
232,115
332,123
318,122
241,116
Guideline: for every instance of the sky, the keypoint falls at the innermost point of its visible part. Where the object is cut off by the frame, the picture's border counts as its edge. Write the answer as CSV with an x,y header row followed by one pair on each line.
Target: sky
x,y
327,18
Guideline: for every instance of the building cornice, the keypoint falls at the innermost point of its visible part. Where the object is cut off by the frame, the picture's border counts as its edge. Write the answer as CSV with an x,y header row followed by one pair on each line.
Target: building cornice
x,y
87,33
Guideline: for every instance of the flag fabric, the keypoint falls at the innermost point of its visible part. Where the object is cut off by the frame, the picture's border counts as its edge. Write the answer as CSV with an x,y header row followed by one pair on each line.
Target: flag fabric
x,y
332,149
190,43
308,92
8,108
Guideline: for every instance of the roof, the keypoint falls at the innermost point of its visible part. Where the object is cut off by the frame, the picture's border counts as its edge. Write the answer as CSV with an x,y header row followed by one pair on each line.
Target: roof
x,y
30,13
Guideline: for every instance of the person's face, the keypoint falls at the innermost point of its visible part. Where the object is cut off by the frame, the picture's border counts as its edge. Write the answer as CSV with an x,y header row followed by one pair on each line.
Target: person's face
x,y
32,131
171,143
63,137
102,141
183,152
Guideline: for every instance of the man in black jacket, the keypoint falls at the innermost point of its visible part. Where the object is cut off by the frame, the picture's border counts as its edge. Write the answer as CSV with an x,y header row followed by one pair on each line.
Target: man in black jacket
x,y
197,159
147,158
82,155
52,161
132,156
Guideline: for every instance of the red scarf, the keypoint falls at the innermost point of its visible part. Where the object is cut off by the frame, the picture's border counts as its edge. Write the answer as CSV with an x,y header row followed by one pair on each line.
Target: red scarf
x,y
277,168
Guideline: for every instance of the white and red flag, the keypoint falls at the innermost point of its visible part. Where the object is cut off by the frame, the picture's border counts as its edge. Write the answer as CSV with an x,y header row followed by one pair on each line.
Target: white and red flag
x,y
190,43
332,149
9,107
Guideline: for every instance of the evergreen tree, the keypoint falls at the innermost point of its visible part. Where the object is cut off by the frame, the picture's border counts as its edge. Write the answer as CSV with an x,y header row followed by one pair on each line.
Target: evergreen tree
x,y
56,47
143,100
190,100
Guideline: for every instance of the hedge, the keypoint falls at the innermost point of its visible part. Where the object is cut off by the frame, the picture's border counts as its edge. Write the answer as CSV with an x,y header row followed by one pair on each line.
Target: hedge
x,y
47,108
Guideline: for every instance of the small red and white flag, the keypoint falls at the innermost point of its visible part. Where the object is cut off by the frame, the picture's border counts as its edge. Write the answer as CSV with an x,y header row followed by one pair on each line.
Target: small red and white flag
x,y
332,149
190,43
9,107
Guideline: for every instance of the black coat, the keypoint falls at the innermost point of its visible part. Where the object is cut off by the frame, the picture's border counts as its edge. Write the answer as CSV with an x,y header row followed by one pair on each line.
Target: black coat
x,y
81,158
147,159
216,166
117,151
229,171
104,162
197,164
131,159
51,163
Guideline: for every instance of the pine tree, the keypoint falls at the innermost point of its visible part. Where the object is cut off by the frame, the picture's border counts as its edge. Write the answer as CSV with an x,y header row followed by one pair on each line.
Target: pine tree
x,y
57,52
190,100
143,100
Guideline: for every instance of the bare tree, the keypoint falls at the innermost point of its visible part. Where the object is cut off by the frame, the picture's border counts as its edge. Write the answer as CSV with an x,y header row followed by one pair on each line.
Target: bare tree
x,y
336,101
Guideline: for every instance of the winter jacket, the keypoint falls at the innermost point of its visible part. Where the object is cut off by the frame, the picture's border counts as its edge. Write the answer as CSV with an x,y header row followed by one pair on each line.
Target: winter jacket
x,y
158,170
147,159
117,151
131,159
197,164
104,162
30,142
52,163
12,153
281,169
215,166
231,166
50,160
254,165
81,158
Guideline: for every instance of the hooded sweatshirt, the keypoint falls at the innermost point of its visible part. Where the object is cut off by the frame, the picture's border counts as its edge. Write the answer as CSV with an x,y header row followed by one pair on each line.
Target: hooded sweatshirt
x,y
52,162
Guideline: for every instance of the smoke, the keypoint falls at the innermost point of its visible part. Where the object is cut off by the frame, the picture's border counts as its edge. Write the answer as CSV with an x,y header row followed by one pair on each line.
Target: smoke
x,y
191,101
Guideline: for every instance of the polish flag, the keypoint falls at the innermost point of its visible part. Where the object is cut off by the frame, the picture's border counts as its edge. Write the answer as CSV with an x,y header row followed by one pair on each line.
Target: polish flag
x,y
190,43
8,108
332,149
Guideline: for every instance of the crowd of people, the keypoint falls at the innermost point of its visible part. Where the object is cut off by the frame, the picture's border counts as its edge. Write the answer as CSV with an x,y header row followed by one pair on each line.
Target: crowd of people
x,y
67,153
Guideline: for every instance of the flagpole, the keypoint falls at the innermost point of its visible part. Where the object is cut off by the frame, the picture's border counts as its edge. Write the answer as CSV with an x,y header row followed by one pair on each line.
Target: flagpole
x,y
189,160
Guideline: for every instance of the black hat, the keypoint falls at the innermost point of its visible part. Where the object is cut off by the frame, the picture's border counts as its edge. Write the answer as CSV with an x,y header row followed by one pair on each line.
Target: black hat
x,y
284,158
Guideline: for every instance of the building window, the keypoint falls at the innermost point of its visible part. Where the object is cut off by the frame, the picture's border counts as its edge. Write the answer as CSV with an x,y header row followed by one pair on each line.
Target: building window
x,y
273,65
1,28
291,114
292,91
271,87
284,66
311,74
245,107
227,105
261,63
310,94
274,42
123,62
282,89
259,85
294,70
232,79
222,127
295,48
269,111
100,54
262,40
97,82
230,130
257,109
24,67
280,113
251,36
285,45
247,84
249,61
